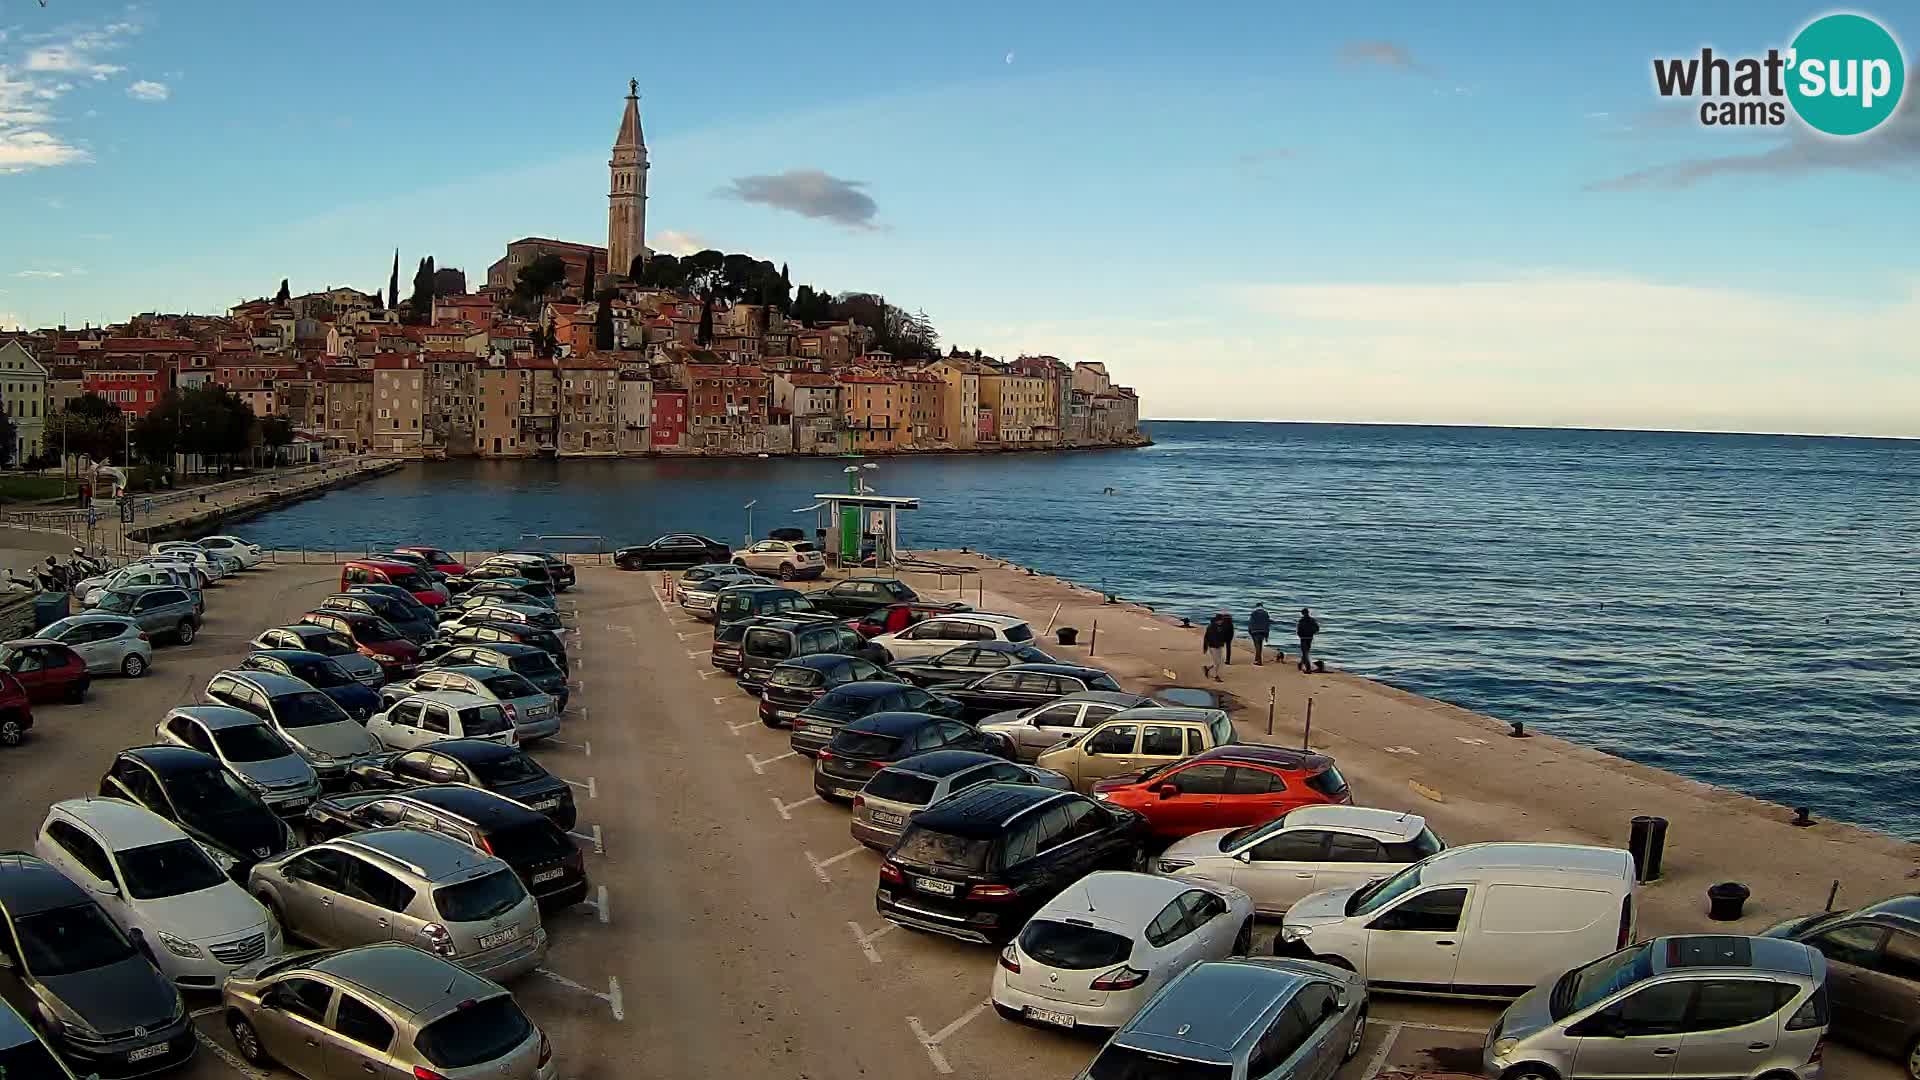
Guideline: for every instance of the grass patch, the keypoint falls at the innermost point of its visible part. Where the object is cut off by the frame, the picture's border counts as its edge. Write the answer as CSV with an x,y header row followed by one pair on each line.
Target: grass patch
x,y
29,487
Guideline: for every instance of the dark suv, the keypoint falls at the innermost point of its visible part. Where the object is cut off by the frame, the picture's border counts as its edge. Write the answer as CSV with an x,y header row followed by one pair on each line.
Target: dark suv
x,y
498,633
194,791
874,742
856,597
738,603
978,864
414,621
1024,686
795,684
814,728
503,770
769,641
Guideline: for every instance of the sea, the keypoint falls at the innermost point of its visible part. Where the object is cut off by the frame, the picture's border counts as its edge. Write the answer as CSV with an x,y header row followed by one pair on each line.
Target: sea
x,y
1739,609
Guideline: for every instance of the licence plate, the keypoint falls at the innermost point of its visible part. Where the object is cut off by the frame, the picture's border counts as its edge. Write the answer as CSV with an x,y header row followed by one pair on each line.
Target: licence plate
x,y
548,875
295,804
547,804
146,1052
1048,1016
881,817
845,793
499,937
938,888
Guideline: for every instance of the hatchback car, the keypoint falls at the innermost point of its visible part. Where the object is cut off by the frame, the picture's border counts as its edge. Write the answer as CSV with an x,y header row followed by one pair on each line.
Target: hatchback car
x,y
191,789
873,742
490,609
1242,1020
904,788
498,633
549,864
110,644
251,752
384,1010
699,587
1091,956
1309,849
816,725
1226,787
414,621
105,1008
16,712
1046,726
429,717
1024,686
161,610
318,728
159,886
413,578
675,551
1873,973
458,607
785,559
535,664
46,670
332,644
23,1052
965,663
246,554
768,642
943,632
1692,1005
504,583
532,569
320,672
855,597
977,865
535,713
503,770
1136,740
560,571
440,559
740,603
420,888
376,638
793,685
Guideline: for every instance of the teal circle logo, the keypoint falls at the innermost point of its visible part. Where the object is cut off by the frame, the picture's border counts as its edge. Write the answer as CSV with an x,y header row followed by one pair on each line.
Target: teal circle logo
x,y
1847,74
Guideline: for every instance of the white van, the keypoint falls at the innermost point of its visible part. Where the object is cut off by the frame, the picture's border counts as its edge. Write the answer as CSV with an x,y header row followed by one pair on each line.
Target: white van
x,y
1485,920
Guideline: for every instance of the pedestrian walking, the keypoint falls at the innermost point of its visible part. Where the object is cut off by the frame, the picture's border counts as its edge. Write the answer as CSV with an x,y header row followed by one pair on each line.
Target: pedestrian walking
x,y
1214,642
1306,628
1258,624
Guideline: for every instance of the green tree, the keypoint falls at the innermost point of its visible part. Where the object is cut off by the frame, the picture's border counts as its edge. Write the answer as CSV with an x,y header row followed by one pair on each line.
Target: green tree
x,y
586,286
276,433
603,322
420,304
9,435
393,283
705,336
156,436
89,425
534,281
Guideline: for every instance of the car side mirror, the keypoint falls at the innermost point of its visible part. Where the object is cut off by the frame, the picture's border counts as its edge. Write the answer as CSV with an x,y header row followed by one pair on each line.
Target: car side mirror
x,y
1168,790
6,962
107,889
1245,856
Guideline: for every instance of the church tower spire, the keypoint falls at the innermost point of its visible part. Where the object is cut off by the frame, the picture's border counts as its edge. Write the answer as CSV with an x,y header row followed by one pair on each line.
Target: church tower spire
x,y
627,193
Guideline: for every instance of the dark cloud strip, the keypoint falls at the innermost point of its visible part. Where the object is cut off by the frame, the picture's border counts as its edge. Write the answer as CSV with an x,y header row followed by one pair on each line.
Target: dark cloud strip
x,y
1895,145
809,193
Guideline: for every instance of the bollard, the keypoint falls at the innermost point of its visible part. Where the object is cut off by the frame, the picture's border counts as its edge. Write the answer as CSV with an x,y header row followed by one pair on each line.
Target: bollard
x,y
1725,900
1306,737
1833,894
1802,817
1066,635
1269,710
1093,638
1519,731
1647,841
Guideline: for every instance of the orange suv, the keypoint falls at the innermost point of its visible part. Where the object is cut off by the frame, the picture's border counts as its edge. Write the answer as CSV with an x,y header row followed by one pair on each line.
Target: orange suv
x,y
1226,788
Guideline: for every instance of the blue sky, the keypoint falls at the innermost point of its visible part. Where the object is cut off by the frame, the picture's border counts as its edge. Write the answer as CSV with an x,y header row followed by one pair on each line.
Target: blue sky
x,y
1383,213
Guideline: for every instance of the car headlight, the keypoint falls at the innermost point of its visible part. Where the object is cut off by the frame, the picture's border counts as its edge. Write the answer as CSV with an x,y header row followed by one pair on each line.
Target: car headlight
x,y
1295,932
383,658
181,946
79,1032
1503,1047
1102,796
220,858
1168,866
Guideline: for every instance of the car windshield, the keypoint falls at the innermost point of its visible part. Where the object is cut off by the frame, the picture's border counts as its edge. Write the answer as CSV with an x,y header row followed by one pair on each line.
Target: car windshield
x,y
511,769
410,580
484,720
509,686
319,673
474,1035
172,868
307,708
1583,988
1371,898
209,794
250,742
923,845
69,939
1074,946
1119,1062
31,1060
1019,632
1251,832
330,644
901,787
796,677
481,899
536,663
536,841
119,603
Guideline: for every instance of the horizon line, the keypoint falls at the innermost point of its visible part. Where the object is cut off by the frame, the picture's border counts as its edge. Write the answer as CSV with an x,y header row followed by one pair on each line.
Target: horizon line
x,y
1532,427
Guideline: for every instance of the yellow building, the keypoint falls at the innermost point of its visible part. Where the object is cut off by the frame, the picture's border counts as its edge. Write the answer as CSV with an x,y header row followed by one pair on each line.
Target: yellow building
x,y
876,410
1018,403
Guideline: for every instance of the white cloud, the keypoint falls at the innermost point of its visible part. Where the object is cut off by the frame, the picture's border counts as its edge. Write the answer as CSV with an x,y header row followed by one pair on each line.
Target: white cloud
x,y
674,242
33,80
11,320
70,59
40,273
148,90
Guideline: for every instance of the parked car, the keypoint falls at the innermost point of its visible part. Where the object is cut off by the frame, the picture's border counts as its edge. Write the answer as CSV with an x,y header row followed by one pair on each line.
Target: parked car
x,y
904,788
675,551
559,571
64,960
211,566
978,864
16,711
246,554
46,669
816,725
549,864
420,719
700,586
506,586
931,637
724,653
768,642
1226,787
161,610
1091,956
133,575
393,572
1484,920
877,740
387,1009
794,684
535,664
160,887
330,643
1024,686
110,644
194,791
320,672
535,713
503,770
533,569
894,618
1873,973
965,663
439,558
376,638
250,750
1135,740
23,1051
400,595
1242,1020
1692,1005
785,559
476,599
494,633
414,622
739,603
1309,849
491,609
418,562
1045,726
320,730
856,597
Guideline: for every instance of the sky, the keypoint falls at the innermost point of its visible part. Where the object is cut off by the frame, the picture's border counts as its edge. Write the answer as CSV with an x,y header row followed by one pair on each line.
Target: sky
x,y
1381,213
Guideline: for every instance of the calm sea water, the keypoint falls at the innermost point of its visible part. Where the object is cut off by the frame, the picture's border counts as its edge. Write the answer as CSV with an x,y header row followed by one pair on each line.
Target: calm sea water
x,y
1737,609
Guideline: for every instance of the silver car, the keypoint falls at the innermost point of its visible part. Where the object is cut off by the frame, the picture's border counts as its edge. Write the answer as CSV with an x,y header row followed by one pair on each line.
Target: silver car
x,y
319,729
538,615
410,886
1043,727
385,1011
881,809
535,715
159,609
1248,1019
250,750
327,642
1693,1005
700,587
110,644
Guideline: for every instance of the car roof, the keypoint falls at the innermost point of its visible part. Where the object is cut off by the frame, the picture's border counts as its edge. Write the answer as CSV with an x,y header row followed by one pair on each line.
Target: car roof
x,y
1392,825
120,823
891,723
1107,697
878,578
472,751
383,564
980,616
1465,862
935,764
430,854
94,616
413,980
1117,898
272,682
1278,757
478,805
29,884
168,760
994,646
476,671
138,590
865,689
791,625
304,629
218,717
981,812
1215,1006
815,660
1168,714
1079,671
752,587
302,656
1904,906
453,699
1720,951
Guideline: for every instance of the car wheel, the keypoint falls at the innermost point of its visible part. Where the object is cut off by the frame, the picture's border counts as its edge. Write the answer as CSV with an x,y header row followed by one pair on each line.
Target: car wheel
x,y
1913,1060
11,732
76,691
1530,1071
1243,944
247,1041
741,563
184,632
133,666
786,571
1359,1036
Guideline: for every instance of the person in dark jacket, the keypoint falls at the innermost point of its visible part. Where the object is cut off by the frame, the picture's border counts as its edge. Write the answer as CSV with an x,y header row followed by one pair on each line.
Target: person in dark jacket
x,y
1258,624
1214,641
1306,628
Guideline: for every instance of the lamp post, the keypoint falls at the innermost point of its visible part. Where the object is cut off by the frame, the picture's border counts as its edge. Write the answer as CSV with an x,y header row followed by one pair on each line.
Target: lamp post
x,y
748,542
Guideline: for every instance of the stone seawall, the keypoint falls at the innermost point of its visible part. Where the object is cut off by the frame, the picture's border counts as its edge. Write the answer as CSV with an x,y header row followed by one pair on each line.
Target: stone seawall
x,y
196,518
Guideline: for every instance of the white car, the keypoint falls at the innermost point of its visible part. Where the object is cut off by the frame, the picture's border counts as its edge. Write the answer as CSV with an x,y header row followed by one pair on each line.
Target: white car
x,y
247,555
141,573
787,558
1092,956
931,637
1303,851
429,717
160,887
110,644
183,552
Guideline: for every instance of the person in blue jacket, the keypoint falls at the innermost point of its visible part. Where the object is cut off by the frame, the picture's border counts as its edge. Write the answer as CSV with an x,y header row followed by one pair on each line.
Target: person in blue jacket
x,y
1258,624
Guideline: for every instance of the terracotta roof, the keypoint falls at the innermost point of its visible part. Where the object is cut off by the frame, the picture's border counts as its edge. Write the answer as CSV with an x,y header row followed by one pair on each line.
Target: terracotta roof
x,y
869,379
724,371
812,379
390,362
588,362
345,375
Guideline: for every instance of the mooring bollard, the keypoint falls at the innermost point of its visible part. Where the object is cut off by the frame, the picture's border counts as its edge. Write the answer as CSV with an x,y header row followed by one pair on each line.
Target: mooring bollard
x,y
1519,730
1647,843
1802,817
1725,900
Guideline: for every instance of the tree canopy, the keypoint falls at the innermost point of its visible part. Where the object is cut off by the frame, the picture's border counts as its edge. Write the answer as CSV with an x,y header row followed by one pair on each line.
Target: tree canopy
x,y
534,281
89,425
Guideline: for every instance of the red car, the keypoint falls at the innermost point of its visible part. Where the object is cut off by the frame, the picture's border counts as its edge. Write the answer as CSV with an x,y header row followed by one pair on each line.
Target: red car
x,y
1225,788
16,711
381,572
897,617
440,560
47,670
374,637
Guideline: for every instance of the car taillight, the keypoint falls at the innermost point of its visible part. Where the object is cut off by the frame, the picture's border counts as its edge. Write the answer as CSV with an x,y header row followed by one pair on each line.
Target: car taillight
x,y
1819,1048
824,754
438,937
1120,978
144,637
890,872
486,845
421,1072
513,714
1010,959
546,1050
859,801
990,892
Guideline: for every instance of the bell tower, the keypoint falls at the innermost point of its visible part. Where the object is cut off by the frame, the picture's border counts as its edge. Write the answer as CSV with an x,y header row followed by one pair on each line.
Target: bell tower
x,y
627,191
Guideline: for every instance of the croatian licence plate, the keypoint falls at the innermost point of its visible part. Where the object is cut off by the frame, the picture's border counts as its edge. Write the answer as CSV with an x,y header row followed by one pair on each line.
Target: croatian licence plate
x,y
547,804
938,888
548,875
146,1052
881,817
499,937
845,793
295,804
1048,1016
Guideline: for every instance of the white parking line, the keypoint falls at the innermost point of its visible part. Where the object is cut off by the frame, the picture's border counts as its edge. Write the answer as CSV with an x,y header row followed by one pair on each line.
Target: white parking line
x,y
866,940
721,700
620,628
1400,750
932,1042
599,843
1469,742
611,997
1379,1059
695,654
710,674
593,792
599,904
820,865
786,808
684,637
1423,1026
583,747
736,729
760,767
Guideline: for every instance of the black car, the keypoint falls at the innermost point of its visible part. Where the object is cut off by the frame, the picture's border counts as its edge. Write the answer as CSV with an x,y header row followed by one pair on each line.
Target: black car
x,y
768,642
965,663
1023,686
872,743
491,632
415,624
794,684
531,662
744,603
1873,971
978,864
501,580
814,728
479,597
62,955
501,769
559,570
675,551
858,596
548,862
322,673
194,791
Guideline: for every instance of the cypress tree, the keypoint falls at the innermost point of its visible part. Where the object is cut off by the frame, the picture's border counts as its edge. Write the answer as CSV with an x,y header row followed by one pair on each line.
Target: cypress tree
x,y
586,289
603,325
393,283
706,319
282,296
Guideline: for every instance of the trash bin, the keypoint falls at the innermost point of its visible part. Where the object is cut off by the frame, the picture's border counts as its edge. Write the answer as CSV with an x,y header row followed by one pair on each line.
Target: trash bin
x,y
1066,635
49,608
1725,900
1647,840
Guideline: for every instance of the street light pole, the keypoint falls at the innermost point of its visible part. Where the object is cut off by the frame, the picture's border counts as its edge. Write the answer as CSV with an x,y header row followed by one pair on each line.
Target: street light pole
x,y
748,542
